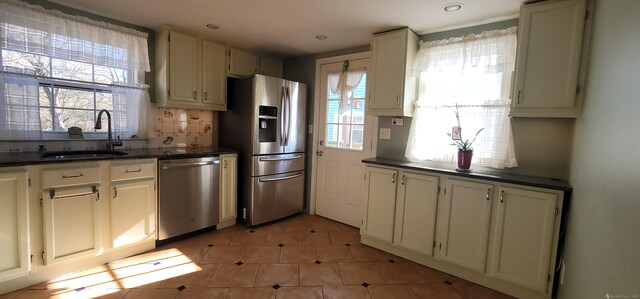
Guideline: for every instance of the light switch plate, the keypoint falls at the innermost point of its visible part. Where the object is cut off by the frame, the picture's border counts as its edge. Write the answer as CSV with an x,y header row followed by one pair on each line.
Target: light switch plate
x,y
397,121
385,133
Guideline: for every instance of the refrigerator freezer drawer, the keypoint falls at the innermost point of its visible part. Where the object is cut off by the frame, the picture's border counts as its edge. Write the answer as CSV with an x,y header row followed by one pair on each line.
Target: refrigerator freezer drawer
x,y
276,196
271,164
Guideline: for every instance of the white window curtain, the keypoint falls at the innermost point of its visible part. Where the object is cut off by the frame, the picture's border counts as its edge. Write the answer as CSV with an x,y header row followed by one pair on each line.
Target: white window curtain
x,y
130,111
473,73
20,111
31,29
344,83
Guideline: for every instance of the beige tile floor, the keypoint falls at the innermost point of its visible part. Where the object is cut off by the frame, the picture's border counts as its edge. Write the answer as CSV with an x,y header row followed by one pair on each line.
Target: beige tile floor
x,y
299,257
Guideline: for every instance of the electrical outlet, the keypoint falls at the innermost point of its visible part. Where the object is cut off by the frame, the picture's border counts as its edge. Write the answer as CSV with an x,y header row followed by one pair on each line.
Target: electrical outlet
x,y
397,121
385,133
562,267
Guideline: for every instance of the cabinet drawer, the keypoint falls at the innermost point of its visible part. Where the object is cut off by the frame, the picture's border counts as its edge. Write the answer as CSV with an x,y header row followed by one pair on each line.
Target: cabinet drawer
x,y
133,170
70,176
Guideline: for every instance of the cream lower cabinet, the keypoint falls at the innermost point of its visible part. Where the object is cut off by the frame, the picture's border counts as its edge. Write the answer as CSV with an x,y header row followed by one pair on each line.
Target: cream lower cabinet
x,y
133,202
71,223
500,235
133,217
401,208
464,224
228,190
14,225
523,236
379,209
417,201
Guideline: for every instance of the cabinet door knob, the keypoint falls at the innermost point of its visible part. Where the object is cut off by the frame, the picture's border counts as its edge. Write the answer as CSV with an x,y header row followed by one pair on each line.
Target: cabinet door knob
x,y
488,191
398,100
402,180
501,196
195,94
518,96
393,178
205,95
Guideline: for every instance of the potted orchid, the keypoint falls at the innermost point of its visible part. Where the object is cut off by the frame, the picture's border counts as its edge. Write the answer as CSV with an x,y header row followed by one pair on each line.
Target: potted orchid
x,y
465,147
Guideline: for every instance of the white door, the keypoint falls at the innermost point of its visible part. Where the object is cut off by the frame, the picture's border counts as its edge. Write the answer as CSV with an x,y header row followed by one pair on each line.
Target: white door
x,y
342,141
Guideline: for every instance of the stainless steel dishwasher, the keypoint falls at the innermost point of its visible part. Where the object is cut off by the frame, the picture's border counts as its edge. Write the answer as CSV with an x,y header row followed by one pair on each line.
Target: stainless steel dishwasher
x,y
188,192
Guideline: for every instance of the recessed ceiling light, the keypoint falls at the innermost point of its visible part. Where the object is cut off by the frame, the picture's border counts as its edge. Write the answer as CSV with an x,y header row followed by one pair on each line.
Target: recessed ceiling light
x,y
321,37
451,7
212,26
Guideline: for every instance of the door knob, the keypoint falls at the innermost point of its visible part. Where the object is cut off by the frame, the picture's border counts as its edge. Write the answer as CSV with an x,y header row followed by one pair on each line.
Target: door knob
x,y
319,153
321,142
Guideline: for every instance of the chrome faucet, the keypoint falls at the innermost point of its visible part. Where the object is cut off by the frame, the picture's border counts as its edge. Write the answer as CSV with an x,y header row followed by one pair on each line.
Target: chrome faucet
x,y
110,143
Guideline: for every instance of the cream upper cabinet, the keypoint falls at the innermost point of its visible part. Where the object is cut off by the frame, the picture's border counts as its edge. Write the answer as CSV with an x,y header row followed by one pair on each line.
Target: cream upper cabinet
x,y
183,67
379,208
133,206
71,219
228,190
14,225
463,232
242,63
523,236
190,71
550,60
392,86
270,67
214,79
417,200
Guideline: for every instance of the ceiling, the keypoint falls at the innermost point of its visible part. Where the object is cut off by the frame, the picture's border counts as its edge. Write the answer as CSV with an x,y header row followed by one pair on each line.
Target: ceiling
x,y
287,28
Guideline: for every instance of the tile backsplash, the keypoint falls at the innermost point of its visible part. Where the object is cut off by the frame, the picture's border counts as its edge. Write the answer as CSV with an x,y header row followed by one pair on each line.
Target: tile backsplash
x,y
181,128
168,127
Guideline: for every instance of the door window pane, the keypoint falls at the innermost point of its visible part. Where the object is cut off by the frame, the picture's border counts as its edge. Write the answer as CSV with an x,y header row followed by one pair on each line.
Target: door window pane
x,y
346,130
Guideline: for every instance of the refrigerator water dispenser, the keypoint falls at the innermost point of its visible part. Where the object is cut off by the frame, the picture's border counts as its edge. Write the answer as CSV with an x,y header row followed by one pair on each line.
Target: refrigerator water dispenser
x,y
267,124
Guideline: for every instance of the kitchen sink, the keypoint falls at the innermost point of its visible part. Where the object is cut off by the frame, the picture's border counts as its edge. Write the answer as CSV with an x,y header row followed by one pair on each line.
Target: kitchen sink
x,y
84,154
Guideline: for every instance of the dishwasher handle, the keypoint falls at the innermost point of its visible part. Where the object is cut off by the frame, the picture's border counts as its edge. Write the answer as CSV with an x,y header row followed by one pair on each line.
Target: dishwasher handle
x,y
198,164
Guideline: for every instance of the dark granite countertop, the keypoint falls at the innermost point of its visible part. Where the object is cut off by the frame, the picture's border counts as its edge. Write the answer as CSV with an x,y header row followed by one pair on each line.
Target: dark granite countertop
x,y
533,181
31,158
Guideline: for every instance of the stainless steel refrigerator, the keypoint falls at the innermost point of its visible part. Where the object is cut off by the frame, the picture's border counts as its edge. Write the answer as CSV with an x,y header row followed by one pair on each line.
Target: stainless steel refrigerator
x,y
266,120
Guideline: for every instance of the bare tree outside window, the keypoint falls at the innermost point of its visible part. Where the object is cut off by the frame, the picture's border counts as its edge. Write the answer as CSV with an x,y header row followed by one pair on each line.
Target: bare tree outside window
x,y
64,104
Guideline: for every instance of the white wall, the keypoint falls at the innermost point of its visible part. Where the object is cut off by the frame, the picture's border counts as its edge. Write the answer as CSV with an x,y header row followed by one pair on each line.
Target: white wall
x,y
602,250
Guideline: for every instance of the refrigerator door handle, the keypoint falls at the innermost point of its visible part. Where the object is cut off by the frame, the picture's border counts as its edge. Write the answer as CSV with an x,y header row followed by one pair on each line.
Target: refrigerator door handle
x,y
282,115
288,115
282,178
